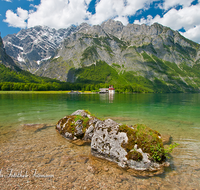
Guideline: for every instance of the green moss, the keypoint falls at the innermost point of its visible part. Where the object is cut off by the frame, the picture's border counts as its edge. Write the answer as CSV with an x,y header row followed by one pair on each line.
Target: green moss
x,y
69,125
88,112
146,139
84,120
134,155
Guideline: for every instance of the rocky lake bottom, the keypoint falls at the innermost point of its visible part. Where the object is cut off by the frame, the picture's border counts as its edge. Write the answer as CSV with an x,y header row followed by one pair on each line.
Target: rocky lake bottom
x,y
39,158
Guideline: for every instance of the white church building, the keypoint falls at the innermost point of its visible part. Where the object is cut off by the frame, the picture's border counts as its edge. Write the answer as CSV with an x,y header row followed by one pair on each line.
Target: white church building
x,y
111,90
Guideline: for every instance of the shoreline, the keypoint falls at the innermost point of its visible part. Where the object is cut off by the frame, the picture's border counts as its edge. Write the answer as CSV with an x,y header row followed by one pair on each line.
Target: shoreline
x,y
46,92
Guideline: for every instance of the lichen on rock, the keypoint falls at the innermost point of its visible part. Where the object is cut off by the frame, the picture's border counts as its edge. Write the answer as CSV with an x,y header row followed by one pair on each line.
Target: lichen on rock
x,y
137,147
106,142
78,125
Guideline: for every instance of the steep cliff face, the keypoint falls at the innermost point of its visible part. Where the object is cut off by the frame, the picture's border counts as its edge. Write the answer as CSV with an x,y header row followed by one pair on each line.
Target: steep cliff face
x,y
154,54
6,59
32,46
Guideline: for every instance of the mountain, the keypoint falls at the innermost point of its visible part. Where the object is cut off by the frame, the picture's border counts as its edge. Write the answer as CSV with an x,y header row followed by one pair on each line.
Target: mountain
x,y
33,45
10,72
5,59
153,56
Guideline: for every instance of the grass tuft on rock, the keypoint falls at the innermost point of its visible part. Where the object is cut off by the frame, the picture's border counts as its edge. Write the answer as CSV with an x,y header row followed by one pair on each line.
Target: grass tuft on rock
x,y
147,139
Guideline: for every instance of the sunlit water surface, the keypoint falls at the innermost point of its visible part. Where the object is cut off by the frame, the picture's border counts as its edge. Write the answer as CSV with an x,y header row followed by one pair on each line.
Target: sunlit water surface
x,y
26,149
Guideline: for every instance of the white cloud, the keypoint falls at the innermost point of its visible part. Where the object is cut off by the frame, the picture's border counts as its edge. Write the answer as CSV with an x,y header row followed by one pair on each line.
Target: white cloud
x,y
23,14
8,0
31,5
16,20
62,13
193,34
176,19
171,3
187,18
87,2
122,19
59,13
106,9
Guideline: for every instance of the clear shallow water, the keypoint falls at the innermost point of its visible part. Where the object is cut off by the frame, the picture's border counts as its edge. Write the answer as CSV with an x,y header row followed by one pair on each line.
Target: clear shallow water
x,y
174,114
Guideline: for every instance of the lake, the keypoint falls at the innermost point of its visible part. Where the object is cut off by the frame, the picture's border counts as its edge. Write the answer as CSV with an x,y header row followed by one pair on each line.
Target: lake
x,y
37,157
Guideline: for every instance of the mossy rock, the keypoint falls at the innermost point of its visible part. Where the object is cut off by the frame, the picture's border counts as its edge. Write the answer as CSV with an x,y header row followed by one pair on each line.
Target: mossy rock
x,y
78,125
145,138
137,147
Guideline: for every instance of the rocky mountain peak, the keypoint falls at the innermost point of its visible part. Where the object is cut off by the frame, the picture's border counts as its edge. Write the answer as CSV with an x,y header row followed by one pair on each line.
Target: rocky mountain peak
x,y
33,45
112,27
6,59
83,25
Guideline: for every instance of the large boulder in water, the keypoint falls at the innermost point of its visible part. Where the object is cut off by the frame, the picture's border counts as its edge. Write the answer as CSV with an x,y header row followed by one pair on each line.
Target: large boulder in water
x,y
137,147
78,125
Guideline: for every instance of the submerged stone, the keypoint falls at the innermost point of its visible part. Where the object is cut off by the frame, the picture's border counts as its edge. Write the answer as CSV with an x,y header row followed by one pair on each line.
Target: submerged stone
x,y
137,147
166,139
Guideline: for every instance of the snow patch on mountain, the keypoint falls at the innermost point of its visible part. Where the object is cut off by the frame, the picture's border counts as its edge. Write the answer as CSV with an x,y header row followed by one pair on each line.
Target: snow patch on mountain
x,y
20,59
45,59
57,57
19,47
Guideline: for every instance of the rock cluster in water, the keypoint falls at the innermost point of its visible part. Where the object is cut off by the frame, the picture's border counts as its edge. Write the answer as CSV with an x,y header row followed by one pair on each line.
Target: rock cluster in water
x,y
137,147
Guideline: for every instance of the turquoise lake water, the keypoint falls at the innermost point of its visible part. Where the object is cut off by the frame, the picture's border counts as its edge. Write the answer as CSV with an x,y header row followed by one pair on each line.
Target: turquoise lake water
x,y
175,114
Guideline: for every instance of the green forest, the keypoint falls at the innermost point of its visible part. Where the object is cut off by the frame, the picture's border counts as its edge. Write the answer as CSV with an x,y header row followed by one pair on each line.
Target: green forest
x,y
91,78
126,81
20,80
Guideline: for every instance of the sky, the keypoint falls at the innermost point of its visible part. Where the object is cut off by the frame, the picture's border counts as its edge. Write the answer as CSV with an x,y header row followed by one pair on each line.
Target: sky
x,y
180,15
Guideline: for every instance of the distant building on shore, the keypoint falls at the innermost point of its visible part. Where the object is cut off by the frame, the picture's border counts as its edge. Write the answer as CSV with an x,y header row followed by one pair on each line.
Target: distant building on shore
x,y
111,89
103,90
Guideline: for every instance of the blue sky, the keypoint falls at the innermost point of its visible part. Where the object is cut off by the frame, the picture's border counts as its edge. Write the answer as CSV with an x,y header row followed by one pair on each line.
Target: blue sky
x,y
181,15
